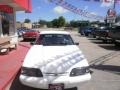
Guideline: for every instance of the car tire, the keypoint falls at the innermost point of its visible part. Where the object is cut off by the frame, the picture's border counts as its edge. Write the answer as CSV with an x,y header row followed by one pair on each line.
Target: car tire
x,y
86,34
117,44
104,41
94,36
15,47
24,39
7,52
75,88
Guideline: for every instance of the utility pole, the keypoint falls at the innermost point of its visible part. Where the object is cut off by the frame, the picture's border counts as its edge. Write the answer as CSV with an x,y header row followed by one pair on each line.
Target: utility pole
x,y
114,4
113,17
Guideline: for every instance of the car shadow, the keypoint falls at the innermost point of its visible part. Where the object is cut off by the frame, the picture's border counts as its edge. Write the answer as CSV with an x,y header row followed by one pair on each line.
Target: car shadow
x,y
109,68
110,47
16,84
98,41
28,40
107,46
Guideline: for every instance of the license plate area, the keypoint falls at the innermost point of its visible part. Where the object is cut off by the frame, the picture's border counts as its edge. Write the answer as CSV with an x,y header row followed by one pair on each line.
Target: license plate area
x,y
56,86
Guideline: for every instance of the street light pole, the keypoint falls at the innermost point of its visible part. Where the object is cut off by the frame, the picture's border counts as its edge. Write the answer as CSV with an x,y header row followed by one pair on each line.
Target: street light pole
x,y
114,4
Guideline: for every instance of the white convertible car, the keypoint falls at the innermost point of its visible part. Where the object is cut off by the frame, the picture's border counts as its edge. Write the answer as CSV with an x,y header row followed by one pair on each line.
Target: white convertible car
x,y
54,62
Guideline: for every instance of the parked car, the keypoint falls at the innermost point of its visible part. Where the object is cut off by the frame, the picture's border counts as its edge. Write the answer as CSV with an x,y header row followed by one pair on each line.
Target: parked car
x,y
54,62
30,34
114,34
85,31
20,32
68,28
102,33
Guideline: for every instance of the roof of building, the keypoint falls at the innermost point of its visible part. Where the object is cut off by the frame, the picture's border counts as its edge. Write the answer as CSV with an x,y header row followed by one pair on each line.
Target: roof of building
x,y
54,32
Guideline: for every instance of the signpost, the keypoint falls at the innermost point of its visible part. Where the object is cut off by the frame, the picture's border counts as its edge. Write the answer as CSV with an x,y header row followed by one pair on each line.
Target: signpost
x,y
111,15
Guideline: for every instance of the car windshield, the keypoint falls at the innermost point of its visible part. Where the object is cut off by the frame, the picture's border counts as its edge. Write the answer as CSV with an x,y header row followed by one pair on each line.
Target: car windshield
x,y
117,28
54,39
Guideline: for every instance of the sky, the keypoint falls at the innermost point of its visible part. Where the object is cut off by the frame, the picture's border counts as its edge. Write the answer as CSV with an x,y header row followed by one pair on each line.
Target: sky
x,y
45,10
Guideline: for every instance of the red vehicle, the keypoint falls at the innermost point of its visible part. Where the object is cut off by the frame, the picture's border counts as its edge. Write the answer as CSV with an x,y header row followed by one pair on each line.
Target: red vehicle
x,y
30,34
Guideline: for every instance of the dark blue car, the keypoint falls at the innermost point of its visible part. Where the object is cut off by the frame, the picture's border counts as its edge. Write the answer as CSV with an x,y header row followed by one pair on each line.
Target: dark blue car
x,y
85,31
21,31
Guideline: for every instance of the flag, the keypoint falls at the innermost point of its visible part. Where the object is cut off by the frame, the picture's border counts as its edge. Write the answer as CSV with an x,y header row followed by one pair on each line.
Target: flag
x,y
117,1
94,0
108,1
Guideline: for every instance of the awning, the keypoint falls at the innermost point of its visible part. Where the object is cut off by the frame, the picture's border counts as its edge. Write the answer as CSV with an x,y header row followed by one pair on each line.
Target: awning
x,y
18,5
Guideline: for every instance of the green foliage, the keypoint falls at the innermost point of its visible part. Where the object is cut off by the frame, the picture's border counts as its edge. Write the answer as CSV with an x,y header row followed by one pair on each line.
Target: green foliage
x,y
79,23
42,22
61,21
55,23
27,21
49,24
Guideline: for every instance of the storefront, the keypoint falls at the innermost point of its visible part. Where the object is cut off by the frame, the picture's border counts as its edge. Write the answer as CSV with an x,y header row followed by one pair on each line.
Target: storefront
x,y
8,9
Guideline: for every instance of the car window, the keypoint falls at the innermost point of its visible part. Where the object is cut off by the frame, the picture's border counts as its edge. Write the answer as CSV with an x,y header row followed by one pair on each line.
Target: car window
x,y
30,31
118,28
115,28
54,39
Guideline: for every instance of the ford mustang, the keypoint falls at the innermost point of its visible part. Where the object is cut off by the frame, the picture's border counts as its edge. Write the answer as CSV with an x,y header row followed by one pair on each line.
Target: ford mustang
x,y
54,62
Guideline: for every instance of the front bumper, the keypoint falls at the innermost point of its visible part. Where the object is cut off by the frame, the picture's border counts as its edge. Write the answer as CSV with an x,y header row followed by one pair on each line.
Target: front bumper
x,y
43,83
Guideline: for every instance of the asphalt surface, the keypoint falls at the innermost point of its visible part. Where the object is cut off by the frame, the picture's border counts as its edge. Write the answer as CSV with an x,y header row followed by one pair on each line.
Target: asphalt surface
x,y
104,60
105,63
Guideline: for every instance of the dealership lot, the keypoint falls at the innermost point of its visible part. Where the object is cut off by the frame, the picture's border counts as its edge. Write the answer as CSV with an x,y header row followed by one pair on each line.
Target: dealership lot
x,y
105,59
105,64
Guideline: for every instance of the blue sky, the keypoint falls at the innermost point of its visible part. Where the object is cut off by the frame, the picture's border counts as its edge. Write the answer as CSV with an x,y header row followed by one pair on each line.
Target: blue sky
x,y
42,9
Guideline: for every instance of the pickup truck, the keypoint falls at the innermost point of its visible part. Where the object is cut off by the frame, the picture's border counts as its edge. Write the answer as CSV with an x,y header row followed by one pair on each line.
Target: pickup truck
x,y
114,34
102,33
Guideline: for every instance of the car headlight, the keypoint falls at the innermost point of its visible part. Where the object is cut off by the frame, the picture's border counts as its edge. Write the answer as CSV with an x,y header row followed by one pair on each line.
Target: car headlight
x,y
79,71
31,72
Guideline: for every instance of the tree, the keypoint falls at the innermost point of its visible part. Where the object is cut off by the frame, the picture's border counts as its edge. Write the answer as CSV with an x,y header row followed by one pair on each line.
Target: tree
x,y
55,23
27,21
61,21
79,23
42,22
73,23
49,24
18,22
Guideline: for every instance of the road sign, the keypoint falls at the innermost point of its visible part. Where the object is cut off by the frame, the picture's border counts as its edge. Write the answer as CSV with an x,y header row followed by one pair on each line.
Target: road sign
x,y
111,19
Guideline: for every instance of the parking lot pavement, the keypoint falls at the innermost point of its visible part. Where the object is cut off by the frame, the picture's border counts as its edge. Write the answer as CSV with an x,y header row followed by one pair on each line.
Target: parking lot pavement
x,y
105,64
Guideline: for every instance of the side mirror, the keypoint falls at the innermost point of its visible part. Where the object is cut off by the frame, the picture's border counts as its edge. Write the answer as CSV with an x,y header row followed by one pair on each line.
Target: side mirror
x,y
76,43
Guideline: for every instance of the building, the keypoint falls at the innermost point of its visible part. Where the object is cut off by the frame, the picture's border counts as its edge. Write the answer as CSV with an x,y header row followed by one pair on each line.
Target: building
x,y
20,25
8,9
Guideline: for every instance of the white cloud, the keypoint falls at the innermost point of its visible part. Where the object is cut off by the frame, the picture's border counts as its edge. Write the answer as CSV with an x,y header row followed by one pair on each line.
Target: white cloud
x,y
107,4
85,8
60,10
20,12
94,13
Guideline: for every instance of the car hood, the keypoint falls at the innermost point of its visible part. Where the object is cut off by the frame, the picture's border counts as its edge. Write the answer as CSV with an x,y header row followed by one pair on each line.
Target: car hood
x,y
54,59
